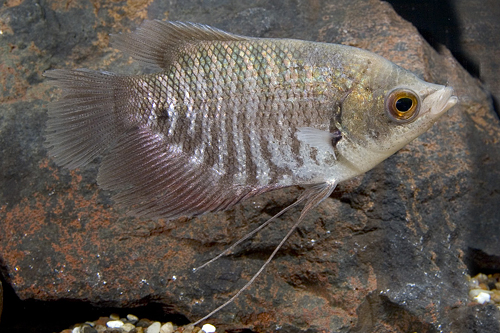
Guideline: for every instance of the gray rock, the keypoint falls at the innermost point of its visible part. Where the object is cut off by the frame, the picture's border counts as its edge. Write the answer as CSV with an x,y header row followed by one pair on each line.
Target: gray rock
x,y
390,248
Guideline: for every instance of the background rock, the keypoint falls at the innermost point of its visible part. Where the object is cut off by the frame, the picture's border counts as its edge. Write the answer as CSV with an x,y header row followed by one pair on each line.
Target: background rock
x,y
1,299
387,252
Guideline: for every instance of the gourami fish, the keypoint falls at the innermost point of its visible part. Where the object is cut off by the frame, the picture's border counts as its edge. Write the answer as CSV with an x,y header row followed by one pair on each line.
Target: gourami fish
x,y
227,117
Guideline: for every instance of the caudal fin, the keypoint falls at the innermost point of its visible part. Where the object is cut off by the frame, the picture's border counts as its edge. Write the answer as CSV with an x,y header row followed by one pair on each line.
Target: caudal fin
x,y
84,122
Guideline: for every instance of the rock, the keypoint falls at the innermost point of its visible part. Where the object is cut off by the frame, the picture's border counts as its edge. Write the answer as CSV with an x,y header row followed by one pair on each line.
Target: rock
x,y
1,299
394,241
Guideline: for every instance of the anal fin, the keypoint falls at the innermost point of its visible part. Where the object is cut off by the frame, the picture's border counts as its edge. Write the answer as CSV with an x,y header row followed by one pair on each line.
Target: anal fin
x,y
154,180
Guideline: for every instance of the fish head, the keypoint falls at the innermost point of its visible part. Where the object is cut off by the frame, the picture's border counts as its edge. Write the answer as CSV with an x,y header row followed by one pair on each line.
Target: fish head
x,y
387,113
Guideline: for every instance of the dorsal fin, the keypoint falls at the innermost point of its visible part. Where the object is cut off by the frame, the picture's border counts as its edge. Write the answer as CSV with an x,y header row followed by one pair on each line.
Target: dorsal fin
x,y
157,43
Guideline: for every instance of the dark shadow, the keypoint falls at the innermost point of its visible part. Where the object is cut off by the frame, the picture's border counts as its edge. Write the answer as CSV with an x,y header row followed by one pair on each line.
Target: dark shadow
x,y
478,261
437,23
32,316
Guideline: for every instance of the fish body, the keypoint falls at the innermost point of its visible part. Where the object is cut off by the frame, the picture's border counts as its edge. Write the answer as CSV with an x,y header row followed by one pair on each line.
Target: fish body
x,y
227,117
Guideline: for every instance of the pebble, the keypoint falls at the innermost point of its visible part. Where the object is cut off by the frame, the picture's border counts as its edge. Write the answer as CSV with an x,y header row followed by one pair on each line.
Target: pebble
x,y
154,328
132,319
482,289
86,328
479,295
133,324
485,288
114,316
100,328
167,328
114,323
128,327
207,328
144,323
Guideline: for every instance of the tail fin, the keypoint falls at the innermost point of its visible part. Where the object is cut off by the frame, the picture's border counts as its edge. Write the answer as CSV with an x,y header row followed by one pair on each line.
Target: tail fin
x,y
84,122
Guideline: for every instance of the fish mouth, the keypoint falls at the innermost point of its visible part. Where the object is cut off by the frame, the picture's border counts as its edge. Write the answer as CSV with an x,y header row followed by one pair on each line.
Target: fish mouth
x,y
440,101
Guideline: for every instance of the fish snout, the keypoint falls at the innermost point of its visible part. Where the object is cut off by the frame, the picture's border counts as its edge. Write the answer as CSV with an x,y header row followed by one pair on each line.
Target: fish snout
x,y
440,101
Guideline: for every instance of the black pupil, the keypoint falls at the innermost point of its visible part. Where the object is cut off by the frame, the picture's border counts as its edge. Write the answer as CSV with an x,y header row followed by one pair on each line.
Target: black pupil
x,y
404,104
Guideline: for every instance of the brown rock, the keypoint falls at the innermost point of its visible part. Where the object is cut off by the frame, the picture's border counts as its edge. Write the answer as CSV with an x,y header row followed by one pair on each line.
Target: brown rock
x,y
1,299
391,242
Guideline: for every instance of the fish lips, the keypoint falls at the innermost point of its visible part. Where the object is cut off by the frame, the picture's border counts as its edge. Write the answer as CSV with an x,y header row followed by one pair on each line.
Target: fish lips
x,y
440,101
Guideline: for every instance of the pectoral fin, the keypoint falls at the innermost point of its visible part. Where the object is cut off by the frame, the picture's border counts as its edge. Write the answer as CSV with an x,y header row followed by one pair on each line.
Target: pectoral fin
x,y
321,140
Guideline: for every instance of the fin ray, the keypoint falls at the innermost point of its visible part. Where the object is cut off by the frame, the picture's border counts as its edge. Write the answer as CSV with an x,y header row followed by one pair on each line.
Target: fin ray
x,y
82,124
155,180
321,140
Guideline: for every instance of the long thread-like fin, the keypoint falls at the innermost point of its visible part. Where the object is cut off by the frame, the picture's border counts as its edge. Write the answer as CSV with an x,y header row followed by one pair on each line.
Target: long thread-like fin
x,y
158,44
314,195
250,234
83,123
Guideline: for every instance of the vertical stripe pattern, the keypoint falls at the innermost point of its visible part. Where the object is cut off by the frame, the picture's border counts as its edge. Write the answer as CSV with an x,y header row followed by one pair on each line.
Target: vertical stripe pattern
x,y
233,107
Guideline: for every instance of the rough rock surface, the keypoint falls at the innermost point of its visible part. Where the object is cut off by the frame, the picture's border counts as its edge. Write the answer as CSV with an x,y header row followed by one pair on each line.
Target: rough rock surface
x,y
386,253
1,299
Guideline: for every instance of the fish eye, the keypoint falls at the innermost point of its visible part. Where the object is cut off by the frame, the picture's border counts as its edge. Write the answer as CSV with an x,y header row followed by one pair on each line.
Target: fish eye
x,y
402,105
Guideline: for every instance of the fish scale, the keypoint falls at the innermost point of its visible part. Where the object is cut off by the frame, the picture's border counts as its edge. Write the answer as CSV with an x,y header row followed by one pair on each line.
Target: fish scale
x,y
227,117
200,105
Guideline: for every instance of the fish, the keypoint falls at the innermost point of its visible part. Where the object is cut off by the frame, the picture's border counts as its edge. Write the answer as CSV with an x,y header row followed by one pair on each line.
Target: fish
x,y
223,117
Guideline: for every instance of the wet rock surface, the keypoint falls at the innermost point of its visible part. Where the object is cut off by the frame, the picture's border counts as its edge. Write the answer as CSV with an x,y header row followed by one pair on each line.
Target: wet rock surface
x,y
386,252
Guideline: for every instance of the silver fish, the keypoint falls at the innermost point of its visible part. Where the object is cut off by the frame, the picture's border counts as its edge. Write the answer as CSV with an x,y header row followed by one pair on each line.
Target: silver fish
x,y
227,117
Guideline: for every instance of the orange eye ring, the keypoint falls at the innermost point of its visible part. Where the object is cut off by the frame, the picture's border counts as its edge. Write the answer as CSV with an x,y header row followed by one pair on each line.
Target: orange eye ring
x,y
402,105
